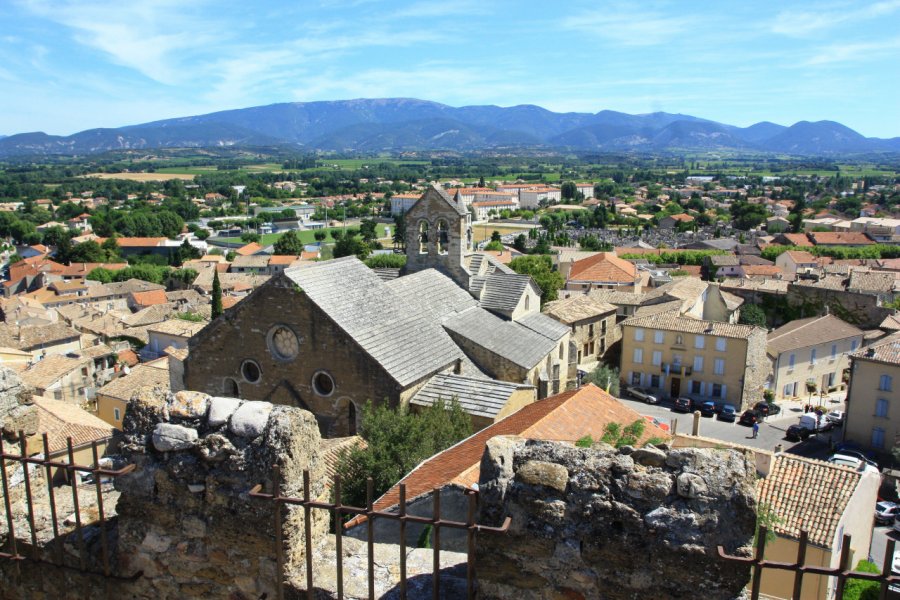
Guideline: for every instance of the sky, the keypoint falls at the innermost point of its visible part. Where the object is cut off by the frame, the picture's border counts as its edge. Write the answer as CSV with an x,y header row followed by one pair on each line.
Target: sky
x,y
71,65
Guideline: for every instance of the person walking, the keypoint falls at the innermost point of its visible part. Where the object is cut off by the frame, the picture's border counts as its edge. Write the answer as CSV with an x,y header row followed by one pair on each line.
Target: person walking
x,y
755,430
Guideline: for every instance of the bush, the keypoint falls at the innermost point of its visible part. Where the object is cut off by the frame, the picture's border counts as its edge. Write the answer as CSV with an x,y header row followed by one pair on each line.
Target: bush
x,y
584,442
604,376
386,261
855,589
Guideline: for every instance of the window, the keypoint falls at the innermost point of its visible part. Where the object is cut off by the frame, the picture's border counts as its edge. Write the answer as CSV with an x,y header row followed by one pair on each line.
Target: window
x,y
657,358
117,416
698,364
560,350
721,344
834,352
679,340
831,378
659,337
443,237
717,390
323,384
638,334
351,418
699,342
719,367
654,381
853,345
283,343
591,330
603,327
697,387
791,359
527,298
881,408
877,437
788,389
250,371
602,345
812,356
423,237
635,379
638,356
884,383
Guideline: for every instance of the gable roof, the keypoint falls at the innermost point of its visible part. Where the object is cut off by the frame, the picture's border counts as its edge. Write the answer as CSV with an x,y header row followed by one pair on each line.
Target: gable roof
x,y
150,297
797,239
577,308
249,250
564,417
459,207
605,266
36,336
885,351
61,420
673,322
122,388
408,344
812,331
501,291
808,494
837,238
51,369
476,396
507,339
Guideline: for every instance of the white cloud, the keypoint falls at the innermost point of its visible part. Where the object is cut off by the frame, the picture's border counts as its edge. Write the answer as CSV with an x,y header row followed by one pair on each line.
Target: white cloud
x,y
629,26
838,53
803,23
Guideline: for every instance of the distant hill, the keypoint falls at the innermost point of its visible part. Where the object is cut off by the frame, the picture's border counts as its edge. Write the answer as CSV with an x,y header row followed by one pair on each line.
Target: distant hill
x,y
391,124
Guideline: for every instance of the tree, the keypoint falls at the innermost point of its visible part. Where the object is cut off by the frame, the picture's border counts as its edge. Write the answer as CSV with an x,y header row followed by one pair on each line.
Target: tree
x,y
216,296
593,244
567,190
367,229
250,237
351,245
288,244
400,231
604,377
857,589
495,236
397,441
752,314
519,243
88,252
540,268
320,235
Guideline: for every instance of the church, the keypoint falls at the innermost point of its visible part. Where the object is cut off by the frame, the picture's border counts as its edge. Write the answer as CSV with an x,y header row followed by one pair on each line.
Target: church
x,y
333,336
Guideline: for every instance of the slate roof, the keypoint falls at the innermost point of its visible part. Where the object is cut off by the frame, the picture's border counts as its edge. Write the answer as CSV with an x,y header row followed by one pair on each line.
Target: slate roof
x,y
544,325
408,344
500,291
432,292
671,322
564,417
812,331
479,397
577,308
61,420
808,494
508,339
724,260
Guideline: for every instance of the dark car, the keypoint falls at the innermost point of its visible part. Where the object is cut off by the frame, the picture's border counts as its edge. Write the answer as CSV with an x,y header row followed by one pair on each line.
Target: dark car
x,y
762,408
682,405
727,413
795,433
749,417
708,409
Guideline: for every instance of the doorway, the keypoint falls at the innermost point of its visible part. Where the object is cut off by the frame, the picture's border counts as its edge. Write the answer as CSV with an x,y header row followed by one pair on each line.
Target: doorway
x,y
676,387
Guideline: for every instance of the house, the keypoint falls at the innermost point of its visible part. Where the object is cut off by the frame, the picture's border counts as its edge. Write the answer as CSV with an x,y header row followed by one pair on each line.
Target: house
x,y
796,261
593,324
811,353
568,417
826,500
873,402
793,239
704,360
250,249
141,300
401,203
673,221
62,421
720,266
604,270
62,377
485,208
172,332
17,360
777,223
252,263
113,398
311,336
760,271
40,340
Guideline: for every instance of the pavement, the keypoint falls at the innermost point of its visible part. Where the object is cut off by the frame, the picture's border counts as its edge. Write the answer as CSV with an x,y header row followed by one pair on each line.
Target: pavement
x,y
771,431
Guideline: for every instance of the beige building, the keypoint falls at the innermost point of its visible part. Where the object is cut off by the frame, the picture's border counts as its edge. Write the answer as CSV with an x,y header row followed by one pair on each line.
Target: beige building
x,y
113,398
873,401
593,324
702,360
63,378
828,501
814,352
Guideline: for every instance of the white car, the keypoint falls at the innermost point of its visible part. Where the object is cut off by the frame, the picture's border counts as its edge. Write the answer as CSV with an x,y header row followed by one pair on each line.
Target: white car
x,y
836,417
885,512
853,462
641,394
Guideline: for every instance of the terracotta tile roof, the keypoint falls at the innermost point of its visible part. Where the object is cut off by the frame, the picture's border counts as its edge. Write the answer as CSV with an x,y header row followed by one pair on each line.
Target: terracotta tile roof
x,y
129,357
36,336
140,376
61,420
249,250
885,351
565,417
280,259
177,327
229,301
136,242
808,494
682,217
605,266
51,369
800,256
331,451
150,298
671,322
577,308
813,331
797,239
761,271
835,238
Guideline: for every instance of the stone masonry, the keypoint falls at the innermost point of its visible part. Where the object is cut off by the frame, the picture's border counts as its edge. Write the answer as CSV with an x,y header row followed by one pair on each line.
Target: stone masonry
x,y
613,524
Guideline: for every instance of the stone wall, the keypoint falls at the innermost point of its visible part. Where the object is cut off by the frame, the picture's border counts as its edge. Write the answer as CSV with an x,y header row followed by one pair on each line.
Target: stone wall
x,y
602,523
757,371
17,413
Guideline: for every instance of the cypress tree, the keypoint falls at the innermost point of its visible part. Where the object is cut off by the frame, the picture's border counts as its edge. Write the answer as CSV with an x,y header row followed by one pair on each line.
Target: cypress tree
x,y
216,296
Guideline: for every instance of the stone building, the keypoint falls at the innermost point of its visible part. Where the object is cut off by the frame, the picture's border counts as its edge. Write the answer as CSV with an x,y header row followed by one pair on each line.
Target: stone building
x,y
332,336
872,421
593,324
703,360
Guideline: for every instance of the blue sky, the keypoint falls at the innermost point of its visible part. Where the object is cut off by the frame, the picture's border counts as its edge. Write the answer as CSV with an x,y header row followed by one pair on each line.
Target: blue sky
x,y
69,65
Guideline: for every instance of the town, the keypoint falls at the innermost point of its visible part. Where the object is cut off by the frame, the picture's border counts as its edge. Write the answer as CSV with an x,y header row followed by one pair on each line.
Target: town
x,y
417,313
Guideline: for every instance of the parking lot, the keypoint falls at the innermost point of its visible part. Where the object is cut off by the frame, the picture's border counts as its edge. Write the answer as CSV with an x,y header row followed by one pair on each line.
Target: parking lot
x,y
771,431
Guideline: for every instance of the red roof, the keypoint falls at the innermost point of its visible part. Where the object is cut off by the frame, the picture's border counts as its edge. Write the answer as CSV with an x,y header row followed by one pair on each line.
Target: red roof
x,y
604,266
797,239
150,298
249,250
136,242
835,238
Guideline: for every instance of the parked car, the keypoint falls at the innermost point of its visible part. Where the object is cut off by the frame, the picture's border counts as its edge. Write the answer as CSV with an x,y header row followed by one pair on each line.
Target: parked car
x,y
682,404
853,462
641,394
728,413
749,417
815,422
767,409
836,417
795,433
857,454
885,512
708,408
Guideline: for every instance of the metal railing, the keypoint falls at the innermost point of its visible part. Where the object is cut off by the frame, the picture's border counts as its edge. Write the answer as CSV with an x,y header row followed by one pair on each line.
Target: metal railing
x,y
72,470
842,572
337,510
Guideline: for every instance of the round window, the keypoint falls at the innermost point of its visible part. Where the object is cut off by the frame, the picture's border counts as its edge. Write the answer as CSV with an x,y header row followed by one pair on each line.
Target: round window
x,y
283,343
323,384
250,371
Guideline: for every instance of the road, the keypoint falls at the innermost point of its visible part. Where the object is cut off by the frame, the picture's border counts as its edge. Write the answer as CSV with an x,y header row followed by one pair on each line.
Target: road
x,y
771,432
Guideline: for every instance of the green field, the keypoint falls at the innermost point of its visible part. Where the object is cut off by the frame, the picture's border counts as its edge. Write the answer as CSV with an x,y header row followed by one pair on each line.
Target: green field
x,y
206,169
307,237
359,163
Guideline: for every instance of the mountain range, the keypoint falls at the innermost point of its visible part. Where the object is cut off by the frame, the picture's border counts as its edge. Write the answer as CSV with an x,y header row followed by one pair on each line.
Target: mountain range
x,y
398,124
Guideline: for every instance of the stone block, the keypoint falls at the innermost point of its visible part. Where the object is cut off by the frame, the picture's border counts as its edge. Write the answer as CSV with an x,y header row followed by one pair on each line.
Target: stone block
x,y
249,420
221,409
189,405
172,438
546,474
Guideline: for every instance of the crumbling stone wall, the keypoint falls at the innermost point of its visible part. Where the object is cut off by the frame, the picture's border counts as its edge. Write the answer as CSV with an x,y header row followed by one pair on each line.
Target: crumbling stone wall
x,y
613,524
17,413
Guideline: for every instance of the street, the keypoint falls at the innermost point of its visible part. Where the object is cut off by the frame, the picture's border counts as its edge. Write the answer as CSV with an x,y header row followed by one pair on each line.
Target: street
x,y
771,432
